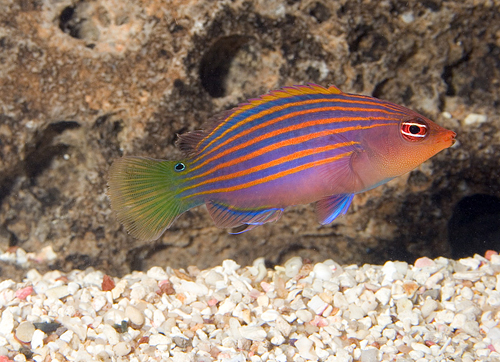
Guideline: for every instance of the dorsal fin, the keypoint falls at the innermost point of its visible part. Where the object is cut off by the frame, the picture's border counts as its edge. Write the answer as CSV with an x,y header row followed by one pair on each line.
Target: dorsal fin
x,y
290,91
334,90
189,142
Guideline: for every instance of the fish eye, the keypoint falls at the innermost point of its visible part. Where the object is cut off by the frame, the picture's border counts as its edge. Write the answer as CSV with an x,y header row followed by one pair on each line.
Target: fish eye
x,y
414,130
179,167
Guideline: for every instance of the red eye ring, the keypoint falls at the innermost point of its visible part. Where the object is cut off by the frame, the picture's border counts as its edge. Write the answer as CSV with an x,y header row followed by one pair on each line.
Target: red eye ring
x,y
414,130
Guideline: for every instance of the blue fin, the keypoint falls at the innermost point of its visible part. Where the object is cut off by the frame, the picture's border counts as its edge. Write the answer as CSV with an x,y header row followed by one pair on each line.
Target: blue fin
x,y
330,207
244,220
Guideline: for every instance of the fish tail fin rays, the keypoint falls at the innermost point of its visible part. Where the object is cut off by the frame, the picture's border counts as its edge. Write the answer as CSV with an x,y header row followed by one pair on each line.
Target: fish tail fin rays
x,y
144,194
329,208
241,220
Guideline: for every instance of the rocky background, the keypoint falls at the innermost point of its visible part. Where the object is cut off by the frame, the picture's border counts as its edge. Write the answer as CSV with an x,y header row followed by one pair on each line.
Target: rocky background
x,y
85,82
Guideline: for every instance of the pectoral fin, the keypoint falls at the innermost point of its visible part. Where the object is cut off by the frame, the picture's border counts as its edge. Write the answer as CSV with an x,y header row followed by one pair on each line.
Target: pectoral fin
x,y
329,208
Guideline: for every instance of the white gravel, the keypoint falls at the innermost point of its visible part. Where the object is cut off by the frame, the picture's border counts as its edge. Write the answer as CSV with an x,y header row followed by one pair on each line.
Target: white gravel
x,y
435,310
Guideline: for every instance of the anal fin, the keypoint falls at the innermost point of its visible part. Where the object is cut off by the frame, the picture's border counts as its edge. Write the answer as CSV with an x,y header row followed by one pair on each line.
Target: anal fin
x,y
241,220
242,229
330,207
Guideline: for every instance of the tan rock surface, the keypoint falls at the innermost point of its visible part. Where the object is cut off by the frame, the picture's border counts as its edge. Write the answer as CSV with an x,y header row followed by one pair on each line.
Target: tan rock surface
x,y
82,83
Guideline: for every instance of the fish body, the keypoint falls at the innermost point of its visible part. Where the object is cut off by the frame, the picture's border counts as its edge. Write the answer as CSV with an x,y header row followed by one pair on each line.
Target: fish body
x,y
292,146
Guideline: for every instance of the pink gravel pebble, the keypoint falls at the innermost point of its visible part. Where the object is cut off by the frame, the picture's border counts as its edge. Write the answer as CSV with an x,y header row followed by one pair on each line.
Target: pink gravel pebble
x,y
254,293
22,294
489,253
266,286
423,262
319,321
212,302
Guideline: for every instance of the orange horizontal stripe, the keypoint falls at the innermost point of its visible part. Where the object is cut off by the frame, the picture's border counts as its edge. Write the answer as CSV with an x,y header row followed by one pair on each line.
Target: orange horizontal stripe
x,y
263,99
273,177
285,130
272,110
255,116
289,142
293,141
276,162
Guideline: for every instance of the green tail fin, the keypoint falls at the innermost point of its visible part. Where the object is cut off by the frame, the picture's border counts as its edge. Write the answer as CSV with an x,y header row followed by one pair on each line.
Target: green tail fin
x,y
143,193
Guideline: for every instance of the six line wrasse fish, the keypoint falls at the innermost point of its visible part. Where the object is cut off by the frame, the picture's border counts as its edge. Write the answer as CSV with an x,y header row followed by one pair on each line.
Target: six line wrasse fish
x,y
292,146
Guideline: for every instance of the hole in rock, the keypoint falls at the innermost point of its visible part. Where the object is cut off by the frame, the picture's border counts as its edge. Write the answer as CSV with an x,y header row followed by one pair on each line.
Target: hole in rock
x,y
7,182
79,21
320,12
67,21
41,152
216,61
366,45
474,226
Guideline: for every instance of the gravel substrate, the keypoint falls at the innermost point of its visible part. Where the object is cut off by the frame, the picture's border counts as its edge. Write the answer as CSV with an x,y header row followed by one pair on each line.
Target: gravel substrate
x,y
435,310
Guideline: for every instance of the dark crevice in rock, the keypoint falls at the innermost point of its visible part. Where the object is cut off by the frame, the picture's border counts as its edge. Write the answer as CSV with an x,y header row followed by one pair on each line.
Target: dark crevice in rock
x,y
80,21
474,226
285,253
320,12
477,78
41,152
447,75
99,233
137,257
48,197
9,176
40,159
107,129
366,45
378,91
101,120
215,63
394,250
433,6
56,128
66,21
407,95
7,238
7,181
80,261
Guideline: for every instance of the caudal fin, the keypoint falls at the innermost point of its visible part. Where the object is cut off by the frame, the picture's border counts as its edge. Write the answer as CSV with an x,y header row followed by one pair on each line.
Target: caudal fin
x,y
143,193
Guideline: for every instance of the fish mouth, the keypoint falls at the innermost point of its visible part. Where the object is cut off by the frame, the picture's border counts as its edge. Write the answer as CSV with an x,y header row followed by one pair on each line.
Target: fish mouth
x,y
449,138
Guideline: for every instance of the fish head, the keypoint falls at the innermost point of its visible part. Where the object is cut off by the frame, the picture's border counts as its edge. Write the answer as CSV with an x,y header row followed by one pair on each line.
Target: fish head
x,y
400,147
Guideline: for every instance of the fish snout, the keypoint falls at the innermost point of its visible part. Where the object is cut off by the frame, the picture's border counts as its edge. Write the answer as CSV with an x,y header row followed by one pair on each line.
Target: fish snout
x,y
448,137
451,137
